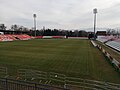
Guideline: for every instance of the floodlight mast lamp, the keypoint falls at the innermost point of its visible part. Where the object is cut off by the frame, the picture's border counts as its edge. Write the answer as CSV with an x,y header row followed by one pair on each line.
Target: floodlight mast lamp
x,y
95,12
34,16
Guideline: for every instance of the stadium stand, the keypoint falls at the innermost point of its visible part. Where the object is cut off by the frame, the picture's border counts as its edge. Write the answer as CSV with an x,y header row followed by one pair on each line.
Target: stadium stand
x,y
26,37
114,44
111,41
22,37
104,39
9,37
6,38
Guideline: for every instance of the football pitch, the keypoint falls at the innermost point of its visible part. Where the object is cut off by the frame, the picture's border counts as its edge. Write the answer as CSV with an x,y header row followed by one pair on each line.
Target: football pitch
x,y
72,57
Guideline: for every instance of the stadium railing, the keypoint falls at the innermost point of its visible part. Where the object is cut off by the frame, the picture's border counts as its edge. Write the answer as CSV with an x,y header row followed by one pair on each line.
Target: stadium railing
x,y
3,72
53,78
32,79
10,84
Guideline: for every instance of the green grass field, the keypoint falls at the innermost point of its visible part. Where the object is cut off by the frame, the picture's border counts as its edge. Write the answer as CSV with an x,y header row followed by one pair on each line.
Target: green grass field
x,y
76,58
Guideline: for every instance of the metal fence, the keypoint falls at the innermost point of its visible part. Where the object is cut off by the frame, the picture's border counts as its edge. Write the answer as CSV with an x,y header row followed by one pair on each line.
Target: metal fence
x,y
3,72
10,84
50,81
91,84
65,81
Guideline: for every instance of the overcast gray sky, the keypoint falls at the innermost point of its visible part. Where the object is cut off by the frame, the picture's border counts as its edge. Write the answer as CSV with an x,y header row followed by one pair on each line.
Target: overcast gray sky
x,y
64,14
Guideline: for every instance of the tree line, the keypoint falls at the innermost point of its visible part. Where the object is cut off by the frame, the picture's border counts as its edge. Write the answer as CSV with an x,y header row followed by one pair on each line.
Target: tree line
x,y
113,32
16,29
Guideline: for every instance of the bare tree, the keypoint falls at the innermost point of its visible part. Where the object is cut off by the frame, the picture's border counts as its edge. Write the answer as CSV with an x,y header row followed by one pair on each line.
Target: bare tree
x,y
14,27
2,27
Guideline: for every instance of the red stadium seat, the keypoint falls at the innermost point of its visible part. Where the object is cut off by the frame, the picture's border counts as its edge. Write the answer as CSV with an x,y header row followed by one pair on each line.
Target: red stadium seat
x,y
9,37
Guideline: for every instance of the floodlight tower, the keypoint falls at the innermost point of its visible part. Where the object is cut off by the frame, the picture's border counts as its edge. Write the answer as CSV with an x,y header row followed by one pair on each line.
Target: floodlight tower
x,y
34,16
95,12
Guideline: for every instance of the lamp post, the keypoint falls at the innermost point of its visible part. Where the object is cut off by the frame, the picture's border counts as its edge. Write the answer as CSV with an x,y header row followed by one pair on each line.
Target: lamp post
x,y
34,16
94,12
